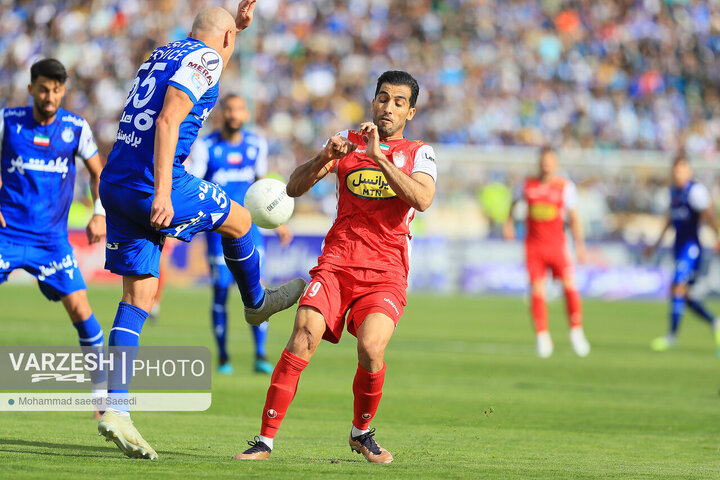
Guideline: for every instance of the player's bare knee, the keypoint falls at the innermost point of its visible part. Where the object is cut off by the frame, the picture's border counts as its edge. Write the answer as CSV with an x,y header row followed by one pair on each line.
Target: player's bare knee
x,y
538,289
371,349
679,290
77,306
303,342
237,224
142,300
311,340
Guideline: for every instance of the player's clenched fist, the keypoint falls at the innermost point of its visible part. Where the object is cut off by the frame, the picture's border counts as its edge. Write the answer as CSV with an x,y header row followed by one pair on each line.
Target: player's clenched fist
x,y
161,213
371,137
244,16
338,147
95,230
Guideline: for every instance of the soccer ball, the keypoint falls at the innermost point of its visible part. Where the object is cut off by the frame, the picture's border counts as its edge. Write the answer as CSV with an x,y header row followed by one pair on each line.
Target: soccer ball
x,y
268,203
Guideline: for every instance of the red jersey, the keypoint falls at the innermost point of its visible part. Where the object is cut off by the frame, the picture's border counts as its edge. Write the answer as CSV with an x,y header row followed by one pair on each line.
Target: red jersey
x,y
372,227
548,203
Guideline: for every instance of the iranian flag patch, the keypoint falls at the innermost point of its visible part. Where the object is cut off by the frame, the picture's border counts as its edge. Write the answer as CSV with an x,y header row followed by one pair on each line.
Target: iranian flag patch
x,y
42,140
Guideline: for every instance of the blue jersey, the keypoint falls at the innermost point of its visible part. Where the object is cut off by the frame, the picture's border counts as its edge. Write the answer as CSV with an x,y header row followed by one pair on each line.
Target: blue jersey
x,y
686,207
232,166
37,168
188,65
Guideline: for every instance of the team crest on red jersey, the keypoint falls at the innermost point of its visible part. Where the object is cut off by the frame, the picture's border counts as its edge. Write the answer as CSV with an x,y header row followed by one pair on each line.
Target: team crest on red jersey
x,y
399,159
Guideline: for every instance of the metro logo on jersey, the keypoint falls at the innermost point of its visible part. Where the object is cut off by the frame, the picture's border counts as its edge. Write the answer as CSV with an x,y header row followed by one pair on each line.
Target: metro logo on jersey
x,y
41,140
202,70
369,183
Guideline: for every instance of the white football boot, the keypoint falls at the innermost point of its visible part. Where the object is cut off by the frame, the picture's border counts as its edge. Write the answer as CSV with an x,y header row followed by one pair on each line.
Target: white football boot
x,y
544,344
579,342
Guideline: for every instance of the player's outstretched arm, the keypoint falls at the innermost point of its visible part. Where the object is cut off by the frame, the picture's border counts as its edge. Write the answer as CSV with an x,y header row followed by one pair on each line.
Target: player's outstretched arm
x,y
577,233
710,218
650,249
176,107
509,225
310,172
417,190
96,228
244,17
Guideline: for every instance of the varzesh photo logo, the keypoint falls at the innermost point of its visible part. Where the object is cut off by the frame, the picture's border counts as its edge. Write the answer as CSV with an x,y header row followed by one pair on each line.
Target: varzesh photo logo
x,y
79,378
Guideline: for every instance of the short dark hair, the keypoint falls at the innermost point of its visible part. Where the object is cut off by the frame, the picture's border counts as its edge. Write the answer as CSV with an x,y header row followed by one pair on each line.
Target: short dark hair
x,y
228,97
49,68
545,149
679,157
397,77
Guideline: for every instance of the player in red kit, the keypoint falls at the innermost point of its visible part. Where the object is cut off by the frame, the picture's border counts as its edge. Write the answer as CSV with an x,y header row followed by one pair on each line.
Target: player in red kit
x,y
551,200
383,178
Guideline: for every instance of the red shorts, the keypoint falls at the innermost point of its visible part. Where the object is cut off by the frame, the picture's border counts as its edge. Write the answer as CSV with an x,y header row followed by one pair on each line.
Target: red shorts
x,y
335,291
540,258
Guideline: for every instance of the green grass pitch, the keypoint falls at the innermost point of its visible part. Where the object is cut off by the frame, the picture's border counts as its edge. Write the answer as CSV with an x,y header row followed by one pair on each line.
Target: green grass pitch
x,y
465,397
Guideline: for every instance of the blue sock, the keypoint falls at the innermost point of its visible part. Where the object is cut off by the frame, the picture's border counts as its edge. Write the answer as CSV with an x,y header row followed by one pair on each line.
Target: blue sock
x,y
260,334
90,335
697,307
676,311
219,320
90,332
125,332
243,260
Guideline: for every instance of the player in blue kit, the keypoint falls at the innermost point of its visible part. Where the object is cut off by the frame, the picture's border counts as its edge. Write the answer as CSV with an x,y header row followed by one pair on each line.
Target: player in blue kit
x,y
40,145
148,194
233,158
689,205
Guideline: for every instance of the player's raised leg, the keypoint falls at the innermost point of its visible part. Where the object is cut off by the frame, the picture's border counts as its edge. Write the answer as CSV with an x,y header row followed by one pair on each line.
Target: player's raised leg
x,y
697,306
304,340
137,300
243,260
373,336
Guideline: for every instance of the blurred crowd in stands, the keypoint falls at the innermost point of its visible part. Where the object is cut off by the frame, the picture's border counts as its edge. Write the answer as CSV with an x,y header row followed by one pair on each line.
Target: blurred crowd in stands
x,y
597,74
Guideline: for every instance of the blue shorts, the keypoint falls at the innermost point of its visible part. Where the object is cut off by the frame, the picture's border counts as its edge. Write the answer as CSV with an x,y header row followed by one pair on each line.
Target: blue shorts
x,y
133,246
54,266
687,263
221,275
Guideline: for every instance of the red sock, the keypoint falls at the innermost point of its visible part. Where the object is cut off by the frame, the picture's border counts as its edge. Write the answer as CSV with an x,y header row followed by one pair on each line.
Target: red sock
x,y
367,388
539,313
283,385
574,307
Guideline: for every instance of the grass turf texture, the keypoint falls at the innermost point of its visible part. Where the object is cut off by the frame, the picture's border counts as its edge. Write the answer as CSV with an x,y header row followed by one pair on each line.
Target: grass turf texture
x,y
465,397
